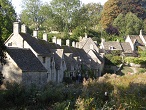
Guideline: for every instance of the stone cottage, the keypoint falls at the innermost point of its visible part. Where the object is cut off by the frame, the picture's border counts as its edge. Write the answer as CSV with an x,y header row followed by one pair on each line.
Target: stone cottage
x,y
53,59
23,67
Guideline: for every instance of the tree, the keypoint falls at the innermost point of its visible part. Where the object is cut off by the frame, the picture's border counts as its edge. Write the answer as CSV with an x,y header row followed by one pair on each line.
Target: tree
x,y
65,9
111,30
113,8
137,7
110,11
133,24
7,17
52,21
129,24
119,22
79,18
93,13
144,26
31,15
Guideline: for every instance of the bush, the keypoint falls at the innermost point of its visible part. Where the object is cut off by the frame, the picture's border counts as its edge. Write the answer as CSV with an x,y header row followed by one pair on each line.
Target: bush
x,y
136,60
113,60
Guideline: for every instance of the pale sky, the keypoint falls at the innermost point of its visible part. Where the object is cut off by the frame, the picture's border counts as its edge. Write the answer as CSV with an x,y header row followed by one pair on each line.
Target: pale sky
x,y
17,4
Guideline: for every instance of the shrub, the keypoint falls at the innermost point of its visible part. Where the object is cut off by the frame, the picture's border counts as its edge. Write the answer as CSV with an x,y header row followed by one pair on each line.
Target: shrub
x,y
113,60
136,60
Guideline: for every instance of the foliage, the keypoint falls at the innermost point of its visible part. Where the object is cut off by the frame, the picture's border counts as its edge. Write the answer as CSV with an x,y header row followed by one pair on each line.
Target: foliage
x,y
112,8
142,53
111,59
110,12
31,15
7,17
133,24
136,60
135,6
67,7
93,13
124,92
129,24
111,30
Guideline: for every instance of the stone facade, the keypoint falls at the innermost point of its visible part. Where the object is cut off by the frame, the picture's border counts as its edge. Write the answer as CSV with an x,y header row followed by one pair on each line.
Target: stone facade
x,y
52,56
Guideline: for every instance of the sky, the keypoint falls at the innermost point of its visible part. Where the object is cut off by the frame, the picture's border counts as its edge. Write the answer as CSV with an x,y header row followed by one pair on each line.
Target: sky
x,y
17,4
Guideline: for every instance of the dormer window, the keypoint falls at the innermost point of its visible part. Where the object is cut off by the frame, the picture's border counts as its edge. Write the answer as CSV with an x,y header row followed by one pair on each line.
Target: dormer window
x,y
111,48
44,59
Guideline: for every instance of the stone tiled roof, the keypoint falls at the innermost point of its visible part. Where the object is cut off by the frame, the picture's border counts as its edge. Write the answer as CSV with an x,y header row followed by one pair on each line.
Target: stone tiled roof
x,y
35,44
67,49
114,44
136,37
126,47
26,60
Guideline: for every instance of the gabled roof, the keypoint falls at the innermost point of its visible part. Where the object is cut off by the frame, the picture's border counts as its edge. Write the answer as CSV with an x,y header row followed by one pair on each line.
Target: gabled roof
x,y
69,61
126,47
35,44
144,36
57,53
26,60
114,44
67,49
136,37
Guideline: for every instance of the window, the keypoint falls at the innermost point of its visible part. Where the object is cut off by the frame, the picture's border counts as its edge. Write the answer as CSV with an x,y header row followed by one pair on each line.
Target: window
x,y
44,59
111,48
10,44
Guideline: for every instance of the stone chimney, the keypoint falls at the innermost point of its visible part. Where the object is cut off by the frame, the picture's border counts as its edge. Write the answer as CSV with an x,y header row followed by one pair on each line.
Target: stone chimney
x,y
102,40
16,28
140,34
73,44
45,37
59,42
35,33
80,38
86,36
23,28
67,42
54,40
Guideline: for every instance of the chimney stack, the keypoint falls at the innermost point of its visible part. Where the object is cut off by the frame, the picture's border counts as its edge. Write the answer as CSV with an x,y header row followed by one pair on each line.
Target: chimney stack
x,y
102,40
140,32
54,40
59,42
73,44
16,28
86,36
67,42
45,37
23,28
35,33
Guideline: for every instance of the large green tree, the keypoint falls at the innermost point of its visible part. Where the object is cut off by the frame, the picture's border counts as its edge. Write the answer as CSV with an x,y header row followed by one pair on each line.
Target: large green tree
x,y
31,15
7,17
52,21
65,9
110,12
129,24
113,8
93,13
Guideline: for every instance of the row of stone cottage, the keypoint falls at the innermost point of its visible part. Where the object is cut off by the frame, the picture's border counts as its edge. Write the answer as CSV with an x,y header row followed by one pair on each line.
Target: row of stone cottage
x,y
32,60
